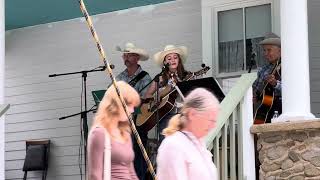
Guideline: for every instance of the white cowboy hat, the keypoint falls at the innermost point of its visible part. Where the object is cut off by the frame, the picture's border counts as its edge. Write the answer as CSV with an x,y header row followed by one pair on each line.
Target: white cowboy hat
x,y
271,39
181,50
131,48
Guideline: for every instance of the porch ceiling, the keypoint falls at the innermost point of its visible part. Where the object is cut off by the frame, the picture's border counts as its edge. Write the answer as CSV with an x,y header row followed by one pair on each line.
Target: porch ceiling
x,y
23,13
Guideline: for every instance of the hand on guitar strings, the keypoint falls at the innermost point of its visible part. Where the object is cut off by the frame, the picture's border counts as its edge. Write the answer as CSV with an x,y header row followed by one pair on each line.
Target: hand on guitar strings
x,y
271,80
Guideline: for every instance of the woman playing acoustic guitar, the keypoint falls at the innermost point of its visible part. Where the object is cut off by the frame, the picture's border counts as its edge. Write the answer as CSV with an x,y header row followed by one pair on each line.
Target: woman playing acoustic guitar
x,y
171,59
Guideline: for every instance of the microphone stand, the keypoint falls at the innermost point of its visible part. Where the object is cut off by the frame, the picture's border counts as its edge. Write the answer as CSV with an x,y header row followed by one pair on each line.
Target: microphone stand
x,y
80,113
157,101
252,62
156,79
83,114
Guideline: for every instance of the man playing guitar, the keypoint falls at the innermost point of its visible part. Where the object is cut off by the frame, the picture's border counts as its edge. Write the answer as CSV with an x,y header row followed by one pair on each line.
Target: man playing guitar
x,y
138,79
267,87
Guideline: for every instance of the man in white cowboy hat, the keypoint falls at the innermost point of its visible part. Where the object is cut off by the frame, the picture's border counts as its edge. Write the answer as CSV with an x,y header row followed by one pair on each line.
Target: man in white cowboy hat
x,y
272,52
138,79
133,74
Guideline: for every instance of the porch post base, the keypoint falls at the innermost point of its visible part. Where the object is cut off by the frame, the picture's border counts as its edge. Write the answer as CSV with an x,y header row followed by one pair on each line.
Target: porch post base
x,y
288,150
291,117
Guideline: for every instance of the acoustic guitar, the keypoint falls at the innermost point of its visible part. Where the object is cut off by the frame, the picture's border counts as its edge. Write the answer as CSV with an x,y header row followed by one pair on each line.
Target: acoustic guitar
x,y
267,98
147,117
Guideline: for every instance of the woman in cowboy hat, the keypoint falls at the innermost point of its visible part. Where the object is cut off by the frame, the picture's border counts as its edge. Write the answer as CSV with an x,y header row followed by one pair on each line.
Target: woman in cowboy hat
x,y
171,60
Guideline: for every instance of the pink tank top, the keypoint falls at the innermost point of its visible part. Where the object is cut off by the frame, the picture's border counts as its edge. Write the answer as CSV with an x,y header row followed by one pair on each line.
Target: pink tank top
x,y
122,157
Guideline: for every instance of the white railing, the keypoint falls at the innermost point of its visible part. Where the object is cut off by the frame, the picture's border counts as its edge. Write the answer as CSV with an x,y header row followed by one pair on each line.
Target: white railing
x,y
231,142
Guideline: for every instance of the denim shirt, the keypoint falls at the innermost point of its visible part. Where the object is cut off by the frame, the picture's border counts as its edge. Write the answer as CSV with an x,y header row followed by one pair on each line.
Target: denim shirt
x,y
123,76
259,83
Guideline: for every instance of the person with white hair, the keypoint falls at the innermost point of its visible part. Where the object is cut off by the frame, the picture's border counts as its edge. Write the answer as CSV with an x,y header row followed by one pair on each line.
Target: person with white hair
x,y
182,155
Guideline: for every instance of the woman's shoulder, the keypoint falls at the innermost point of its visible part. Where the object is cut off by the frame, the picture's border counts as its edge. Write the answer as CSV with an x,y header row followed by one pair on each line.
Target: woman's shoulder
x,y
98,132
98,129
96,136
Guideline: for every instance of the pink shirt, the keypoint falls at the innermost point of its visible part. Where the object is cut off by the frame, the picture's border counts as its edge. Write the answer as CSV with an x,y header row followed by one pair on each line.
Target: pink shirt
x,y
122,157
182,156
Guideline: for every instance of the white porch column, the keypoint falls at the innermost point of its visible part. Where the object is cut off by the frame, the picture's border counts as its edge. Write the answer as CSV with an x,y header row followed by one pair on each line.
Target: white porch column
x,y
295,61
2,68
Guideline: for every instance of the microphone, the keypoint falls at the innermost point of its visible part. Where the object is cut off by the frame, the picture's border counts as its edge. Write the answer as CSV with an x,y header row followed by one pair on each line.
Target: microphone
x,y
112,66
165,66
104,67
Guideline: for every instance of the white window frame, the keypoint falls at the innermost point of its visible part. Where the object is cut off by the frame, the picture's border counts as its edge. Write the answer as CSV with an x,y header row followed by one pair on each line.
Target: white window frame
x,y
210,10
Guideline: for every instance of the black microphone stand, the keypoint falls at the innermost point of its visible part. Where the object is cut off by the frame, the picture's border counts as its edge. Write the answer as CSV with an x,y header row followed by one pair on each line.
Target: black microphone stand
x,y
83,114
252,62
157,100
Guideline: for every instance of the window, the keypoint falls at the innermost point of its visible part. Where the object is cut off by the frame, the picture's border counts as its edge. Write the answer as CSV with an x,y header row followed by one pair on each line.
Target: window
x,y
239,33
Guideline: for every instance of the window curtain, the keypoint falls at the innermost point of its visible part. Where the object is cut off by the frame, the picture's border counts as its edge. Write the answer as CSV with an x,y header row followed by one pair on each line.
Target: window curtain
x,y
231,56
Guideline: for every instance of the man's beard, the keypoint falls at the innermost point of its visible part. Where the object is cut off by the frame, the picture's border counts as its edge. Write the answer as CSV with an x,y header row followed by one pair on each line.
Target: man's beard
x,y
128,63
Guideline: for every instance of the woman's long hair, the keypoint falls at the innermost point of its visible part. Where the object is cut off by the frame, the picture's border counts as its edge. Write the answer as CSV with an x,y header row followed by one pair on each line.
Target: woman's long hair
x,y
111,108
199,99
182,73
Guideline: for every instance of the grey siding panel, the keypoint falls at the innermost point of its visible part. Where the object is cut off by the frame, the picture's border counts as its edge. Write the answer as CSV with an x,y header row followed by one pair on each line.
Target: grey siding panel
x,y
39,134
314,54
58,142
40,115
37,101
57,151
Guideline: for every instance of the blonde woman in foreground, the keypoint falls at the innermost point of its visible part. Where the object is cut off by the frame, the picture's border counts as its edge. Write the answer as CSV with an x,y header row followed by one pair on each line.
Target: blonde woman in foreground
x,y
182,155
110,153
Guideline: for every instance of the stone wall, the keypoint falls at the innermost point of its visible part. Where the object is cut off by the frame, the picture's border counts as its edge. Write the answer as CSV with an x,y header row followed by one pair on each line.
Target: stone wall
x,y
289,154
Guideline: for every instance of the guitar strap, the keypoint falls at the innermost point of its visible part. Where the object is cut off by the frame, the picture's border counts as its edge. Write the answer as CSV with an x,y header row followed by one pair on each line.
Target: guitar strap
x,y
136,79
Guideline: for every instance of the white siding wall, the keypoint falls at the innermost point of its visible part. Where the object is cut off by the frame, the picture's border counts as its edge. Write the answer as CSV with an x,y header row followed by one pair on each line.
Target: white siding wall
x,y
37,101
314,46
